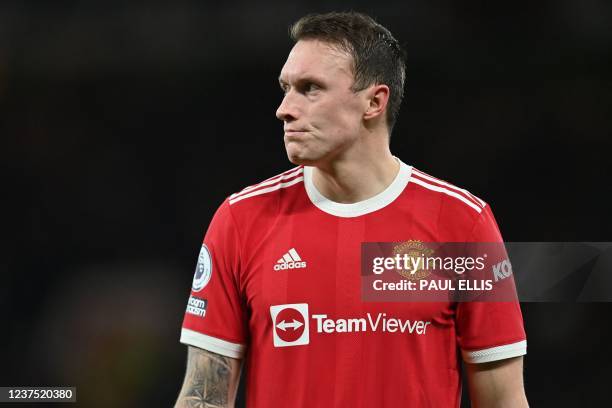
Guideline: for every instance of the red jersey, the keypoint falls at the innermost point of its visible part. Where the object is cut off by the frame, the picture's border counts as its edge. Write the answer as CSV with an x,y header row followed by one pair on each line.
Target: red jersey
x,y
278,282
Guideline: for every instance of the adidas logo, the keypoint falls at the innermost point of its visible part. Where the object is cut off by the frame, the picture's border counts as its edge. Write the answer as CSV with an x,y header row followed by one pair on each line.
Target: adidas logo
x,y
291,260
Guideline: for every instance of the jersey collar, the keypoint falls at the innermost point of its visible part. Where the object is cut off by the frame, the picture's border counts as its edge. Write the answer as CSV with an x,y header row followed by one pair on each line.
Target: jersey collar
x,y
380,200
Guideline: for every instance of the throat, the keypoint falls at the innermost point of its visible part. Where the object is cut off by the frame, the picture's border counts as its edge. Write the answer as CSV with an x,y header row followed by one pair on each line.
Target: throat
x,y
355,182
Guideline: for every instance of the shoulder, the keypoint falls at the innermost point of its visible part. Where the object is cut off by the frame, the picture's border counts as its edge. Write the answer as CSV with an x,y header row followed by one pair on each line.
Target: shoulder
x,y
254,207
264,192
442,191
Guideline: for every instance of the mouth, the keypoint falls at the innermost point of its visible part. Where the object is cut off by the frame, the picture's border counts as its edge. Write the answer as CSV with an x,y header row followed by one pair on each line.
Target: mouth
x,y
294,130
294,134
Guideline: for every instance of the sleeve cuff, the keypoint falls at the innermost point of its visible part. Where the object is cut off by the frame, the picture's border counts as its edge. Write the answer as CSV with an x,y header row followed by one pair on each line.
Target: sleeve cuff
x,y
495,353
214,344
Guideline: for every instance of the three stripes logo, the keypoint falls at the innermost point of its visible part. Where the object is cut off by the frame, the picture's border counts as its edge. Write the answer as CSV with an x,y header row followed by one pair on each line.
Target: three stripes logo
x,y
291,260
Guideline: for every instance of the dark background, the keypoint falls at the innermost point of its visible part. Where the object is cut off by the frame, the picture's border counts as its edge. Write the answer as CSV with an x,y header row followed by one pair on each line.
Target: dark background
x,y
123,126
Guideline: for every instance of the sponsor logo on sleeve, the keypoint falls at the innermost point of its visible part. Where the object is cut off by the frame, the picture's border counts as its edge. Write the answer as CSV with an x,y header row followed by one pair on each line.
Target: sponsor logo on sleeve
x,y
502,270
197,306
203,270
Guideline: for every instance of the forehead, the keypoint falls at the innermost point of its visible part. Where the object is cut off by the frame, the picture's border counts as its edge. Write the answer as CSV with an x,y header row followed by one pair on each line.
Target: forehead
x,y
314,58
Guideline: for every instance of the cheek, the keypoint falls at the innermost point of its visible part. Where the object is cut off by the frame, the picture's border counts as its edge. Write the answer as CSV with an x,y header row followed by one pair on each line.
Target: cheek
x,y
348,119
342,114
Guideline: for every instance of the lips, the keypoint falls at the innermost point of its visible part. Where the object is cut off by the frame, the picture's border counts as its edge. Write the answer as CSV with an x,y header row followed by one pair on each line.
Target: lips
x,y
294,133
287,131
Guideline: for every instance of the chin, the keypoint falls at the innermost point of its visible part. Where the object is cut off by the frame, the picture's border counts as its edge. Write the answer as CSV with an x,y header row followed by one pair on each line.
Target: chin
x,y
297,160
300,159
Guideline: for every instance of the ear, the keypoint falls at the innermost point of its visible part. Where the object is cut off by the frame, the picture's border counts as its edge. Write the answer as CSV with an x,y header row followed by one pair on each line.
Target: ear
x,y
377,98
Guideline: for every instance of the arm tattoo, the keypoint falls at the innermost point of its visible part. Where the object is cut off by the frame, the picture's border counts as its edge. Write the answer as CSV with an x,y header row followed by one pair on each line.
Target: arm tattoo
x,y
210,382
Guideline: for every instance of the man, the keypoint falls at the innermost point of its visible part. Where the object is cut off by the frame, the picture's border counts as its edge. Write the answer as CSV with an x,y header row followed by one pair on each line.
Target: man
x,y
278,276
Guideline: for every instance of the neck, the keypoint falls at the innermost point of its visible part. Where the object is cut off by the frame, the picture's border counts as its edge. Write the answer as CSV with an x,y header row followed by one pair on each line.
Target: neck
x,y
357,176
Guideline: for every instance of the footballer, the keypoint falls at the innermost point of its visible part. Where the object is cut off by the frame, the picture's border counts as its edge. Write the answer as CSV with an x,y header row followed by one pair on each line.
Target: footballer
x,y
277,287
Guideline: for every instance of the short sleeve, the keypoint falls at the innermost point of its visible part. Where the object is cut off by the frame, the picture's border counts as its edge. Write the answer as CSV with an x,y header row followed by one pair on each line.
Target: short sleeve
x,y
215,318
493,330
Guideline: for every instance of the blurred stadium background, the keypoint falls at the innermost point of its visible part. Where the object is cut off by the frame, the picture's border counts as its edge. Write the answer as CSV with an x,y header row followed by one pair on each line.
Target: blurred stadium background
x,y
125,125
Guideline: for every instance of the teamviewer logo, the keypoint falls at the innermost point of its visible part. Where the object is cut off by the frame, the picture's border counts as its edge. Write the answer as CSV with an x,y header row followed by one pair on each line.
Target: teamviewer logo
x,y
290,323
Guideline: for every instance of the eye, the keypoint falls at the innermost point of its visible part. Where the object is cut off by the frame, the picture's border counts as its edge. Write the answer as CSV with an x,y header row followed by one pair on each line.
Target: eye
x,y
311,87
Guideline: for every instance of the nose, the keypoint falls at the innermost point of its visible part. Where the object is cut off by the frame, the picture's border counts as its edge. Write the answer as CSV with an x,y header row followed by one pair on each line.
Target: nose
x,y
287,111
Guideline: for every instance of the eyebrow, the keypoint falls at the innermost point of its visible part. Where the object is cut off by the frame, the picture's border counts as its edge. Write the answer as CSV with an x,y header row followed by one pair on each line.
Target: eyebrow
x,y
307,78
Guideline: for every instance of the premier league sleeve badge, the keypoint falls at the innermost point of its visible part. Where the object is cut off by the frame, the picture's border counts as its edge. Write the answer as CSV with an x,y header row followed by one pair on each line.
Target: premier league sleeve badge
x,y
203,270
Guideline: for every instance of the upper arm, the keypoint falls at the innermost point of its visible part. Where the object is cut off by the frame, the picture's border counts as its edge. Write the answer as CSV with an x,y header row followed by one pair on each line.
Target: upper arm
x,y
491,333
223,328
211,380
497,384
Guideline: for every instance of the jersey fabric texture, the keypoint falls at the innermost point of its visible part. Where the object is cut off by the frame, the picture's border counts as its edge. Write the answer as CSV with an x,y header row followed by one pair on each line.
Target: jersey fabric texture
x,y
278,283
